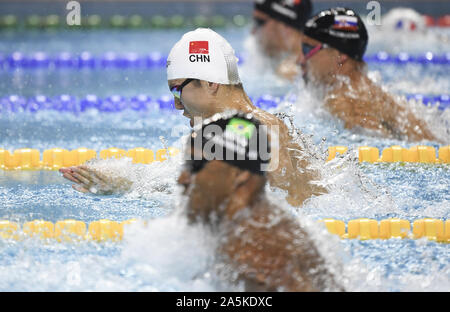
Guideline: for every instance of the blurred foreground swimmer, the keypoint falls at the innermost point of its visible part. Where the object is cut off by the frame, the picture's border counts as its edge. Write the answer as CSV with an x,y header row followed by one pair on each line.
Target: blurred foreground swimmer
x,y
334,44
203,77
278,30
263,246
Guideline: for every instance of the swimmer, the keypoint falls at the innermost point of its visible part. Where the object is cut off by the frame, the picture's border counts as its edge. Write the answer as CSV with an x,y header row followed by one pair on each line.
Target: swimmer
x,y
334,43
203,76
278,29
403,20
263,245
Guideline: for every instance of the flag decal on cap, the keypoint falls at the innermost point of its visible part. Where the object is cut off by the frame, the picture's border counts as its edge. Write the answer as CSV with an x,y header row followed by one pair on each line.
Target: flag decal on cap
x,y
241,127
343,22
292,2
199,47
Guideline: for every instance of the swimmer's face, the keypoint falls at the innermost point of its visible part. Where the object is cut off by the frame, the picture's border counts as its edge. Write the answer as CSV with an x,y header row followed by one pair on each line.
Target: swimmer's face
x,y
209,188
274,37
195,99
268,33
320,67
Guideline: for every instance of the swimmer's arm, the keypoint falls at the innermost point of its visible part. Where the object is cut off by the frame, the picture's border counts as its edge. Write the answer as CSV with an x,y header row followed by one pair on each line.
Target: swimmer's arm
x,y
353,114
401,122
414,128
299,187
92,181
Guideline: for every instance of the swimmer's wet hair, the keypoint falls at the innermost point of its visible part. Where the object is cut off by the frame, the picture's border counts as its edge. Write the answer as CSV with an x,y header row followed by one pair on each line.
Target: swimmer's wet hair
x,y
292,13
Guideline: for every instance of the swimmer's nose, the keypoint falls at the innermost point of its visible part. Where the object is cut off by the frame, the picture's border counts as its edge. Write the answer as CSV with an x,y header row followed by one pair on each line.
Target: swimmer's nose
x,y
178,104
184,178
301,59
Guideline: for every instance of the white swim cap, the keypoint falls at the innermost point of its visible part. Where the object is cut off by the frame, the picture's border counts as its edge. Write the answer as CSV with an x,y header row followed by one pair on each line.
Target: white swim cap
x,y
404,19
203,54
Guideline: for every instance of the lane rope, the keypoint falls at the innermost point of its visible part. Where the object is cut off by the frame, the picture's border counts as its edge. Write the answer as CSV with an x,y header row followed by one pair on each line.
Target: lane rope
x,y
118,21
138,21
117,103
157,60
71,230
56,158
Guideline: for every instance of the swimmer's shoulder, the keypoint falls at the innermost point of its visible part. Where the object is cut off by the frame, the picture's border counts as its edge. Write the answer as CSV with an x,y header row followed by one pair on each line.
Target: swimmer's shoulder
x,y
269,119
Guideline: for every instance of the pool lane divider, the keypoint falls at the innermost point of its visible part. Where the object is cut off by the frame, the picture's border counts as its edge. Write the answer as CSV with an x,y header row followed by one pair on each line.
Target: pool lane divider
x,y
144,103
71,230
56,158
138,21
118,21
157,60
396,153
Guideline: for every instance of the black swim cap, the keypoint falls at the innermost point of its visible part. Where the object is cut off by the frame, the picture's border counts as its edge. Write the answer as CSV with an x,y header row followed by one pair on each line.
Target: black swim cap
x,y
340,28
234,137
294,13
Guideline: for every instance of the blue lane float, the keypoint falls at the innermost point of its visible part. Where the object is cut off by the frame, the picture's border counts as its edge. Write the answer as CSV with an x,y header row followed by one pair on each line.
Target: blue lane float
x,y
64,59
426,58
155,60
16,59
442,101
85,59
39,102
143,102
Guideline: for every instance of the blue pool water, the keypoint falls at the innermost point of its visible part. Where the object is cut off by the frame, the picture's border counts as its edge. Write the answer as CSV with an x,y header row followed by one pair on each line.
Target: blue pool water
x,y
168,255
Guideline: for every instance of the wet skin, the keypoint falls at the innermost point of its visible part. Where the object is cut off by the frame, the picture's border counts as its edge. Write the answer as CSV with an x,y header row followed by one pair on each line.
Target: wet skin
x,y
266,248
355,99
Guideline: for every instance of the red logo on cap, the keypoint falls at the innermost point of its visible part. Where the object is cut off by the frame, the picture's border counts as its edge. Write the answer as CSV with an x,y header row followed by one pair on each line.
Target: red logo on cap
x,y
291,2
198,47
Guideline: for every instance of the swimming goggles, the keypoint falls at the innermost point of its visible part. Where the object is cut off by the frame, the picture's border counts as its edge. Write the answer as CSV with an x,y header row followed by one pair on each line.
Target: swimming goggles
x,y
259,22
176,90
309,50
195,166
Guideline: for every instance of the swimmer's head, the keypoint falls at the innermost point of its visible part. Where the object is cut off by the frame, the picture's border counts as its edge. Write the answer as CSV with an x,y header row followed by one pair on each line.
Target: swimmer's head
x,y
278,24
341,29
334,43
403,20
294,13
197,66
226,158
204,55
235,138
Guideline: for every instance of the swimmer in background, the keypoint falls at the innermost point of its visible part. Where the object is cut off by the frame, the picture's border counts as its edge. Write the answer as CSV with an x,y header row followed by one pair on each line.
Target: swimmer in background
x,y
263,246
203,76
334,43
278,29
406,25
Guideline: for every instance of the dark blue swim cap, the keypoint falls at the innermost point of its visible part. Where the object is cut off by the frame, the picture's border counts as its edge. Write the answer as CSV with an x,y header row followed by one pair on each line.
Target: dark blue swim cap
x,y
237,138
342,29
294,13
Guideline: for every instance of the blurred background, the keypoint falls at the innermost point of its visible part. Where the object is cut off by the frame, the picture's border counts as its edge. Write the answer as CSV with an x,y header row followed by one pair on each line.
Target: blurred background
x,y
35,34
227,8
